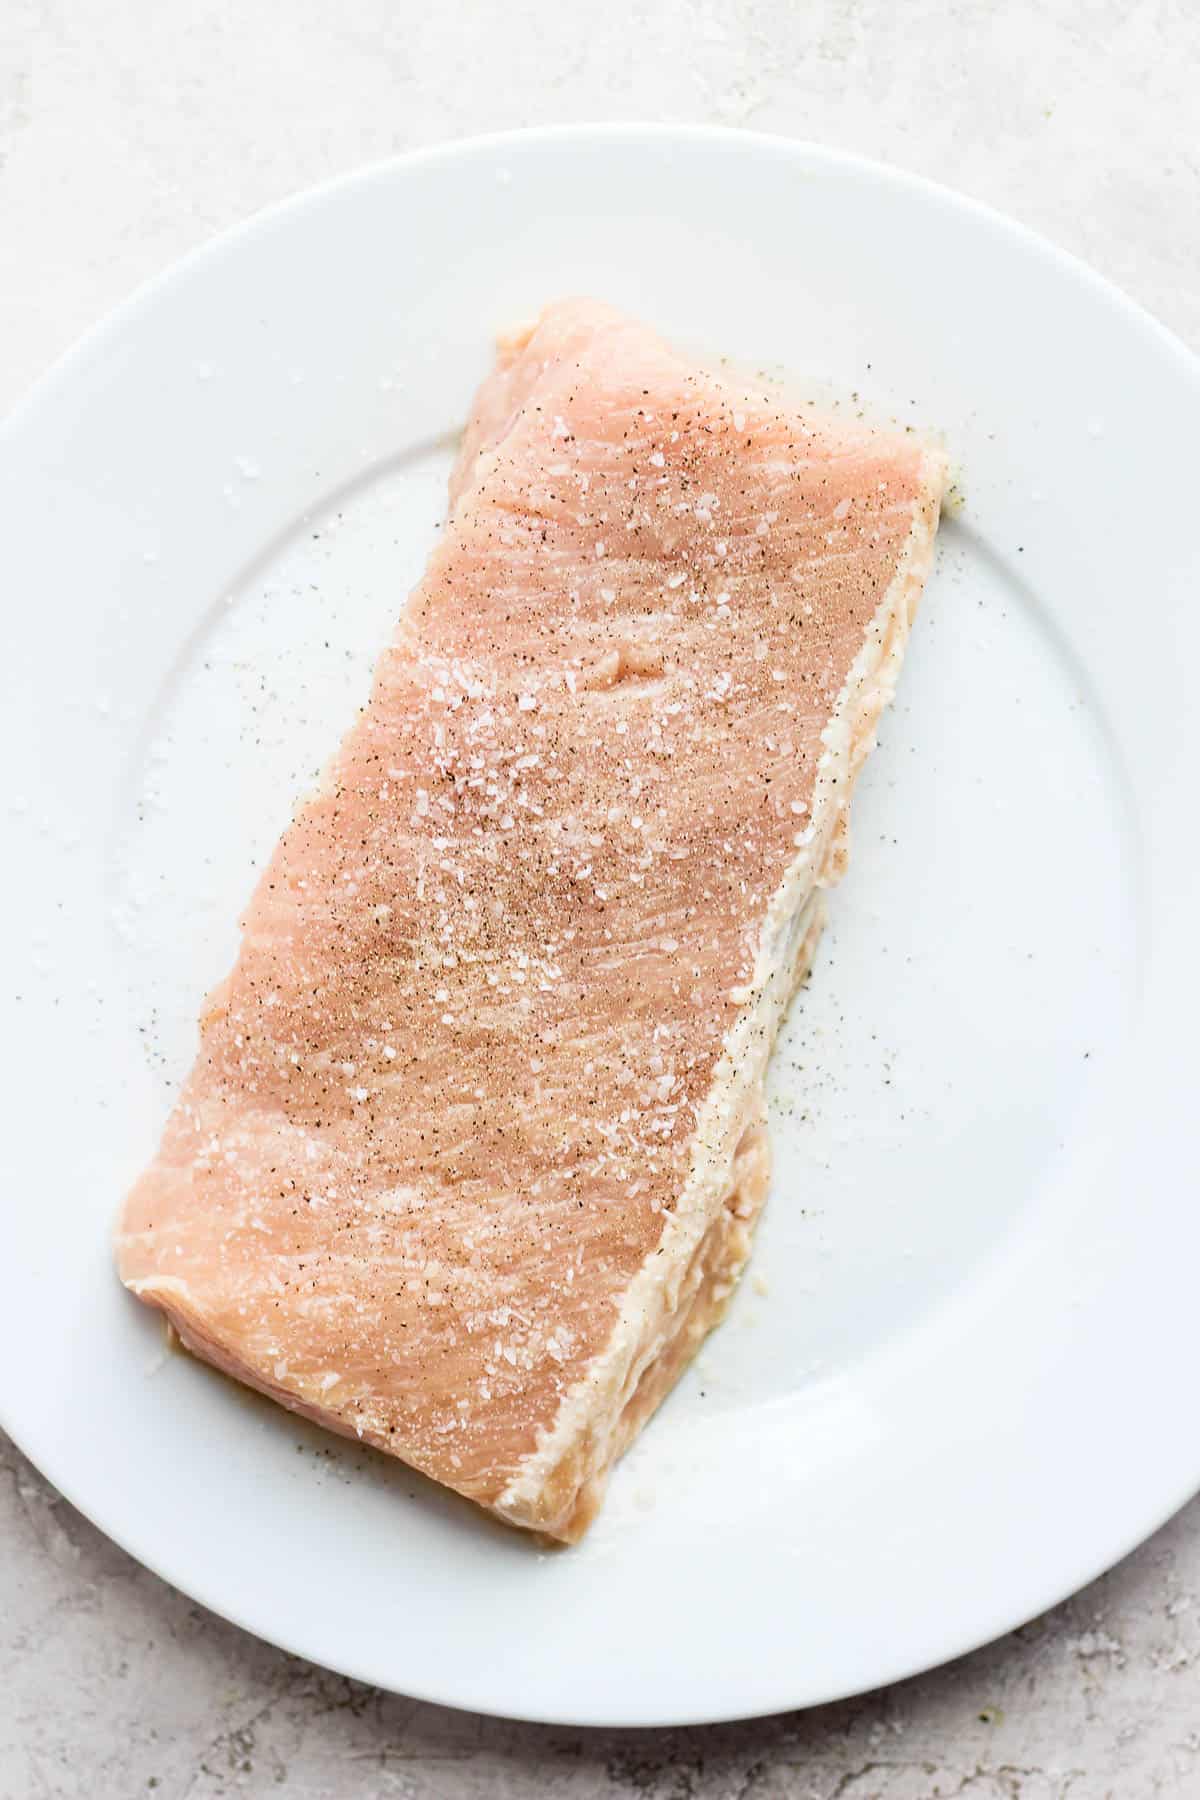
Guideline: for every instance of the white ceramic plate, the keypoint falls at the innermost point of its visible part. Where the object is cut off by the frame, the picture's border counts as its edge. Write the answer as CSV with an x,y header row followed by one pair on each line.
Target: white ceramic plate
x,y
960,1379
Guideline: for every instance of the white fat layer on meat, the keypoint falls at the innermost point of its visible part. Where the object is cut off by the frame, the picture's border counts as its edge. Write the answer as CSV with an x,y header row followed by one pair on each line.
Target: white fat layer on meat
x,y
593,1405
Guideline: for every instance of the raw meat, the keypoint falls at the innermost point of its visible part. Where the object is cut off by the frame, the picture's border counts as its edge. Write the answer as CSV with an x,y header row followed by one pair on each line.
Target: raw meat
x,y
470,1155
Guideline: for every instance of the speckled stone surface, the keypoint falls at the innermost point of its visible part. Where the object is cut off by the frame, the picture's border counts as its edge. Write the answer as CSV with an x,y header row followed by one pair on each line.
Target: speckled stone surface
x,y
131,130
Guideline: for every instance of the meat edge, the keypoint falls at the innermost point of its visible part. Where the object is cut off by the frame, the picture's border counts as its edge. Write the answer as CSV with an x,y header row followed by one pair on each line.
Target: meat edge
x,y
559,1488
708,1286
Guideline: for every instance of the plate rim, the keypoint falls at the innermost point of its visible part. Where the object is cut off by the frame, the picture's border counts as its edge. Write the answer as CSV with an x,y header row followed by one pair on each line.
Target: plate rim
x,y
449,149
821,159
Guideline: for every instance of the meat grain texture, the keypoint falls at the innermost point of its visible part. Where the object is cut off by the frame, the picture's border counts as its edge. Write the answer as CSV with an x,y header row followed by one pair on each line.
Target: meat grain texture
x,y
470,1155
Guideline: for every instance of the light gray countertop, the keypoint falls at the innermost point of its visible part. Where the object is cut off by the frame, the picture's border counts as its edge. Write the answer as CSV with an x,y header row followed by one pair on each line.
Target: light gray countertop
x,y
132,130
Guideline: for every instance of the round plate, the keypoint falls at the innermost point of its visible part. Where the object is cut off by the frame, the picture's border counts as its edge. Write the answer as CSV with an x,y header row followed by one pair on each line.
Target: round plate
x,y
959,1379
